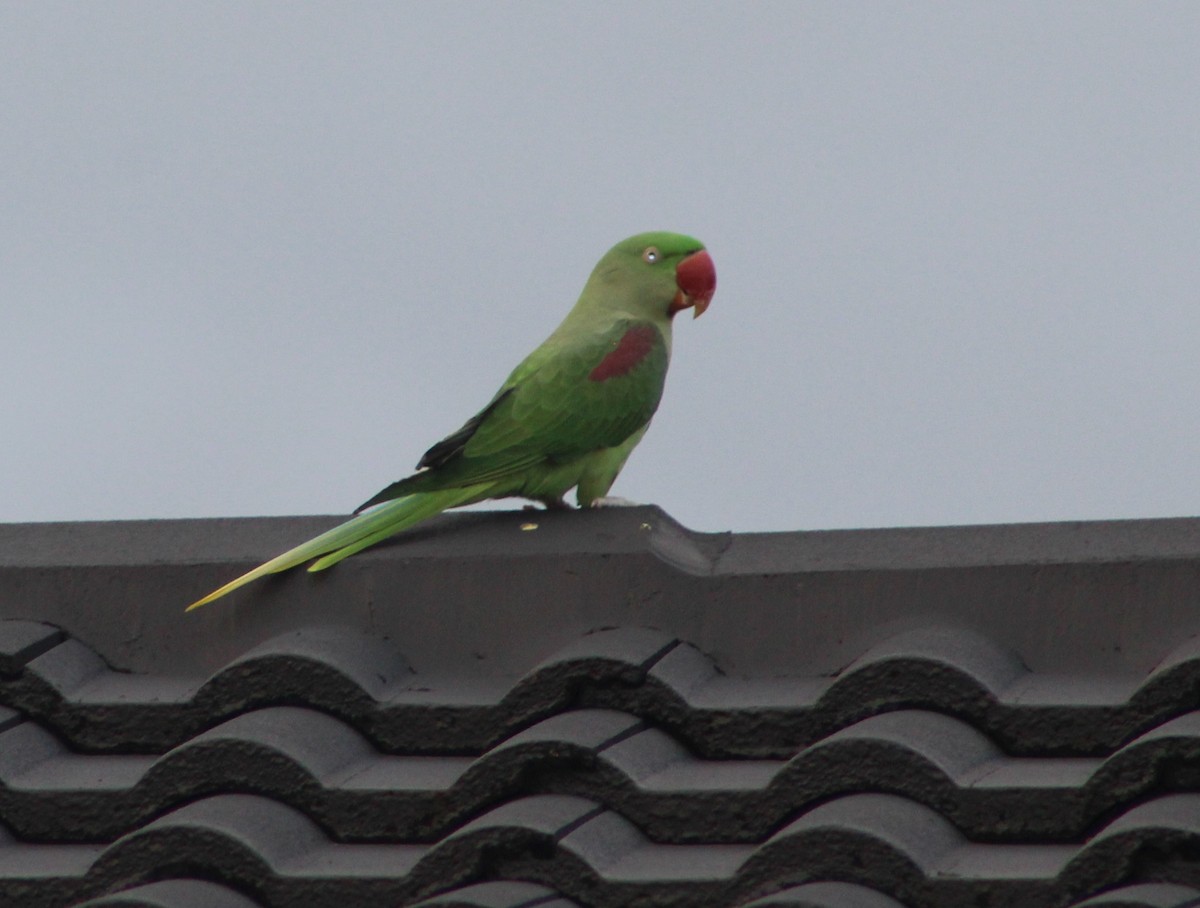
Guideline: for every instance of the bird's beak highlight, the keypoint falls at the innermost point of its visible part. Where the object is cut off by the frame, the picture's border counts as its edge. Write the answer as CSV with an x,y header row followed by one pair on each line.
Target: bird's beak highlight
x,y
696,278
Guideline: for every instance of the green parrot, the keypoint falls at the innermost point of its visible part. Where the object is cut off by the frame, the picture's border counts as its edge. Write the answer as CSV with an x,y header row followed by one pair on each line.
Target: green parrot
x,y
567,417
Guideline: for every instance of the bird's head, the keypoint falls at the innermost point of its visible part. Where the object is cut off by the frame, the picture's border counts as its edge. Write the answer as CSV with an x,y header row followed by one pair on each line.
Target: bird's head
x,y
659,274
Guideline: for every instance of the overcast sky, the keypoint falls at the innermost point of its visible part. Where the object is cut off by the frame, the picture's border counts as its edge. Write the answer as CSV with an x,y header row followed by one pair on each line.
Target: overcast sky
x,y
256,258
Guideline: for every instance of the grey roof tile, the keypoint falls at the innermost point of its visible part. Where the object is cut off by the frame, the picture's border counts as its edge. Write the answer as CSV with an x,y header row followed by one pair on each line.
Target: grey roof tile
x,y
1144,895
177,893
323,767
9,718
838,720
42,875
21,641
499,894
825,895
152,713
254,841
259,845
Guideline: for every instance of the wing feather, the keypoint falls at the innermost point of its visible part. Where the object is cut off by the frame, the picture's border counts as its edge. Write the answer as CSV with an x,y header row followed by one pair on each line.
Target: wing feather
x,y
549,412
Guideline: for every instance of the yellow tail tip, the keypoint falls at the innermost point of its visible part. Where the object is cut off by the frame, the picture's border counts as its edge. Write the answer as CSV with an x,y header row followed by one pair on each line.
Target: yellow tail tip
x,y
214,595
199,602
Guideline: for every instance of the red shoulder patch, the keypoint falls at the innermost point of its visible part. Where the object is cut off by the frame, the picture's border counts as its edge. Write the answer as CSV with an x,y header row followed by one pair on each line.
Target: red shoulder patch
x,y
630,350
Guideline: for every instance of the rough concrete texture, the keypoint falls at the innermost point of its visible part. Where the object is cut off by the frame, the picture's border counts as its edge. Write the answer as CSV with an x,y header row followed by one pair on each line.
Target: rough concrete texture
x,y
585,710
491,594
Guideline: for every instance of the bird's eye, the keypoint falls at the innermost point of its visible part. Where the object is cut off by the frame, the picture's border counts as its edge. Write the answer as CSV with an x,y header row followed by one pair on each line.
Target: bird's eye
x,y
650,255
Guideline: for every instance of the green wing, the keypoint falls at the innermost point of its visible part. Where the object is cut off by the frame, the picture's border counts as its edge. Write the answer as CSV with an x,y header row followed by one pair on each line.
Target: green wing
x,y
548,412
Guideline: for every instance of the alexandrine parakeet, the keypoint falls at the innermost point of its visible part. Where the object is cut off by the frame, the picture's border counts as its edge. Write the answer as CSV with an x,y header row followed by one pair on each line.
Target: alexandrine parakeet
x,y
567,417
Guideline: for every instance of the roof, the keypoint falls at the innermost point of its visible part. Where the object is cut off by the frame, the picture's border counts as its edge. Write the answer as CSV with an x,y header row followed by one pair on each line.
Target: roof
x,y
602,709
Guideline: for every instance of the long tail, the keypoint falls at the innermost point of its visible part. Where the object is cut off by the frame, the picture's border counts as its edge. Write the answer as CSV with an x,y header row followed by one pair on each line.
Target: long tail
x,y
358,533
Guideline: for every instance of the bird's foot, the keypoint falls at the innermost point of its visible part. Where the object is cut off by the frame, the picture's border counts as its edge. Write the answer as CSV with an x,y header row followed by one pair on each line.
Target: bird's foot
x,y
613,501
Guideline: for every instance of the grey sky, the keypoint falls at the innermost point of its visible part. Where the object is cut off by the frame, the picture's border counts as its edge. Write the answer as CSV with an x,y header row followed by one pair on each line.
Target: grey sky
x,y
255,258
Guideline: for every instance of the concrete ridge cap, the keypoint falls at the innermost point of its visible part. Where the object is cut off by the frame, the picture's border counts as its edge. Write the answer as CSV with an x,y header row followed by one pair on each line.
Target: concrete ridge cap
x,y
644,528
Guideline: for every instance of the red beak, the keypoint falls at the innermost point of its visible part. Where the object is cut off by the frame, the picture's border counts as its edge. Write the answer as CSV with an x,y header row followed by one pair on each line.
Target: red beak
x,y
696,278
